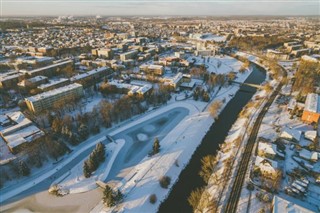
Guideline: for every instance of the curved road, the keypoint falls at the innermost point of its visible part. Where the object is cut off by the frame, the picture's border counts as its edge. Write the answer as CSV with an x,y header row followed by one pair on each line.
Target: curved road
x,y
152,124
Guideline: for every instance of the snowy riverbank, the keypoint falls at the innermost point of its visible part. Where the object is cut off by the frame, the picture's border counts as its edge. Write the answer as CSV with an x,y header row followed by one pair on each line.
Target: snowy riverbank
x,y
176,151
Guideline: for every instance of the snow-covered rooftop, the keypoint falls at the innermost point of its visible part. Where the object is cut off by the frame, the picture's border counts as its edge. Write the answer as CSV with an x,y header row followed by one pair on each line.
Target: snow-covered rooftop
x,y
9,75
23,123
144,89
32,80
24,131
267,148
291,134
16,116
266,164
281,205
312,103
47,67
313,58
86,74
53,92
27,134
175,79
153,66
306,154
311,135
52,83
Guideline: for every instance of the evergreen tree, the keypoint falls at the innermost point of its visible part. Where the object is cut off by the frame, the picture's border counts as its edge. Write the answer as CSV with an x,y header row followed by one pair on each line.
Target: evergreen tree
x,y
118,196
108,197
93,161
100,151
156,146
83,131
86,169
24,169
74,138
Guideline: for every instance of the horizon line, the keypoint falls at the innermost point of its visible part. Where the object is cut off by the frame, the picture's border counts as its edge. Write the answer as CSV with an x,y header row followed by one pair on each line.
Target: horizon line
x,y
161,15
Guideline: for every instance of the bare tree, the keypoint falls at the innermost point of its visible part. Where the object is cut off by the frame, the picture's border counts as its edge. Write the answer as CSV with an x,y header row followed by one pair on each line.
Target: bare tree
x,y
277,176
207,168
214,108
201,201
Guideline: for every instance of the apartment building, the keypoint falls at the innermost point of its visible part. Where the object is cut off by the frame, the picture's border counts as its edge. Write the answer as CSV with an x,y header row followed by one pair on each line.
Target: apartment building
x,y
90,77
53,84
50,70
48,99
21,131
10,79
277,55
155,69
103,53
128,55
33,82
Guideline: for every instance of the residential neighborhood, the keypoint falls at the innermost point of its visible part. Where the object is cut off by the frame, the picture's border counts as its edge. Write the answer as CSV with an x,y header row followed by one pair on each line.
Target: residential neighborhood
x,y
103,113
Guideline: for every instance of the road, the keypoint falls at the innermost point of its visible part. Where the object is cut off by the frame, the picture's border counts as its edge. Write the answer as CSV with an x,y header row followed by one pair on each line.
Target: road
x,y
132,152
234,196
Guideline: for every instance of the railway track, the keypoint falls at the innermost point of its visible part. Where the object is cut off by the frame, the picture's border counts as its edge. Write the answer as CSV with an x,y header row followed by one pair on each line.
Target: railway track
x,y
233,200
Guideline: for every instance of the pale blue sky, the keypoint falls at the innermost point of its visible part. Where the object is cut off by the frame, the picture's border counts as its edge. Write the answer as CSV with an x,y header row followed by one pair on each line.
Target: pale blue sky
x,y
158,7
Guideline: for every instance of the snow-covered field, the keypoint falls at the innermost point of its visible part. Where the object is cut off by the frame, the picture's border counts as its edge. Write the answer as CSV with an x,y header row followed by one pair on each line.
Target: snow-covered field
x,y
75,182
212,37
218,64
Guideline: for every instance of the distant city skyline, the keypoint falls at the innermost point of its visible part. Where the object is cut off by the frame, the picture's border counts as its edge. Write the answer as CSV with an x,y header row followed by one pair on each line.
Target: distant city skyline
x,y
158,8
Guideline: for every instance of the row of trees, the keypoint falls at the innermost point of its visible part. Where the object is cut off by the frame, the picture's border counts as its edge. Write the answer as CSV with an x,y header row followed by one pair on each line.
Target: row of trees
x,y
199,198
70,129
256,43
307,77
201,94
96,157
245,65
214,80
159,95
106,89
275,69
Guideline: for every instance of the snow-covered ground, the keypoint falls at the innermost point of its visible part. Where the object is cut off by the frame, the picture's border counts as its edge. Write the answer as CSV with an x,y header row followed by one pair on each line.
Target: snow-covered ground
x,y
218,64
231,151
276,120
176,151
212,37
75,182
38,179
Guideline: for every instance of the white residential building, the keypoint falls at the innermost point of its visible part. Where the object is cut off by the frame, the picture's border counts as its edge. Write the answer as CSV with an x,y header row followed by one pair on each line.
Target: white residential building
x,y
23,131
47,99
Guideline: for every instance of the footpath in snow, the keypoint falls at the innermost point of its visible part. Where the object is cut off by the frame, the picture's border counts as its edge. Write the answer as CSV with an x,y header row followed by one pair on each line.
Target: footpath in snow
x,y
75,182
